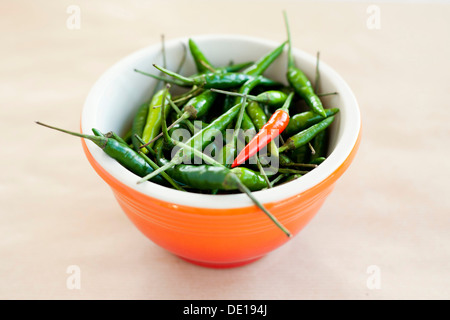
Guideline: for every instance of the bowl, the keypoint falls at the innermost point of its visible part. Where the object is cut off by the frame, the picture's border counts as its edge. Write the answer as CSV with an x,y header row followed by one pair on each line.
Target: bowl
x,y
215,230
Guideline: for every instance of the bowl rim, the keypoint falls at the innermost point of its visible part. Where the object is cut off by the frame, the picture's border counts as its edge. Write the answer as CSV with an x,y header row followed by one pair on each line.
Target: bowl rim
x,y
343,149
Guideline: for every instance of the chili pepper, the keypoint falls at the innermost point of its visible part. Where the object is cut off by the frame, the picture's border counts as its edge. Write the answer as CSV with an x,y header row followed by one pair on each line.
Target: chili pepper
x,y
274,98
204,65
199,105
234,67
264,62
320,144
259,118
112,134
137,128
196,106
153,124
127,137
155,166
207,177
201,62
200,140
305,136
318,160
212,79
299,82
256,113
300,155
97,132
286,161
123,154
303,120
167,140
257,69
203,137
276,124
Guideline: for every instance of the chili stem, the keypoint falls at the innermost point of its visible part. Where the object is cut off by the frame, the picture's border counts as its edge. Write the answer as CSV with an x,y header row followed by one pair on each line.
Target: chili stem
x,y
244,189
311,148
179,83
177,76
183,58
168,165
163,174
184,117
283,170
317,79
163,49
207,66
326,94
263,173
235,94
291,61
94,139
277,179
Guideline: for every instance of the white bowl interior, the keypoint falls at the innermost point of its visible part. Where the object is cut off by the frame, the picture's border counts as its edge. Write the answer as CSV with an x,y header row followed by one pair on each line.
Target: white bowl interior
x,y
115,97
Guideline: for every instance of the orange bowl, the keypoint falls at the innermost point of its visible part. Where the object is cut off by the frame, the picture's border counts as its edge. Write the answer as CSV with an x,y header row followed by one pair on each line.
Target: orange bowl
x,y
216,230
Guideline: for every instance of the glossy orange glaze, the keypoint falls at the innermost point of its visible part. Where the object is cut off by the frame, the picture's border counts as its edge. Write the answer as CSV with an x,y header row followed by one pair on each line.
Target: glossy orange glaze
x,y
220,237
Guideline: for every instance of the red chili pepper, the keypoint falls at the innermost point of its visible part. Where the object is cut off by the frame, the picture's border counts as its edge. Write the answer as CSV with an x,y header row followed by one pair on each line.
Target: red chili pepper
x,y
273,128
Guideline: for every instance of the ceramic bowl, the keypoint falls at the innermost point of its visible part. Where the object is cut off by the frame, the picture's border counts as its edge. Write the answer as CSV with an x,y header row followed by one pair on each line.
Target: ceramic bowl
x,y
215,230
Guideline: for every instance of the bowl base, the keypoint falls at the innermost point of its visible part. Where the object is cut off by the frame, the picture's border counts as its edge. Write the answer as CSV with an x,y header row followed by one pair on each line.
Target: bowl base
x,y
220,265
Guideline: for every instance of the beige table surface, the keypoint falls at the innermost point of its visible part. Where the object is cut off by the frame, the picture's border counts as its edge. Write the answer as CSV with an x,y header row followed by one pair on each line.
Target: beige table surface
x,y
390,210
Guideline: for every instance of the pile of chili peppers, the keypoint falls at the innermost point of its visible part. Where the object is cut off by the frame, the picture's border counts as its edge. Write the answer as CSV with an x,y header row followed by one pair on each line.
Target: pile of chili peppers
x,y
270,123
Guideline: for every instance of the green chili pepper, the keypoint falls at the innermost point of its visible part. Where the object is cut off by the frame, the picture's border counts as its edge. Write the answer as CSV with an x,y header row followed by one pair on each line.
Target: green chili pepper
x,y
256,113
137,128
305,136
299,82
300,155
112,134
320,145
123,154
286,161
201,62
273,98
127,137
303,120
201,139
97,132
264,62
199,105
210,80
318,160
207,177
204,65
153,124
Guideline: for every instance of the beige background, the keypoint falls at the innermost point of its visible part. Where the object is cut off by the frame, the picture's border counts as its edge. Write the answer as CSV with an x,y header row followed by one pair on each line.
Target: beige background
x,y
390,209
